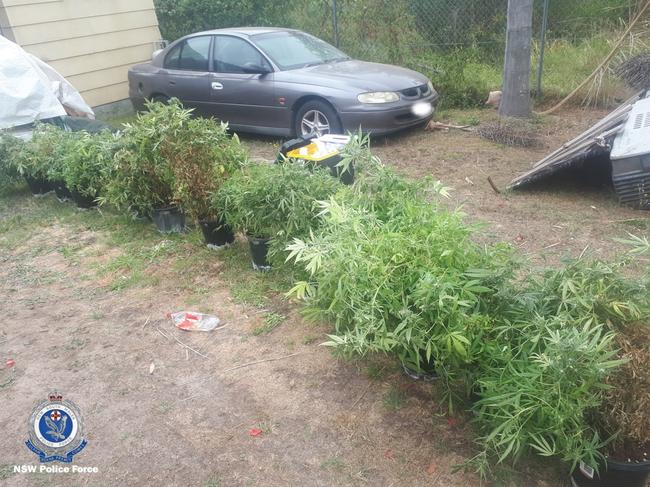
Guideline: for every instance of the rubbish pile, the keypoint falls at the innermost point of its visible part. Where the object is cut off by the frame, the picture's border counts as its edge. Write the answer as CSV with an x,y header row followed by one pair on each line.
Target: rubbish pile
x,y
624,136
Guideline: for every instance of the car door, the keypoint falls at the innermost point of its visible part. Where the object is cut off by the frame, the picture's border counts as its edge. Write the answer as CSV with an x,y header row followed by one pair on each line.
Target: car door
x,y
237,96
187,73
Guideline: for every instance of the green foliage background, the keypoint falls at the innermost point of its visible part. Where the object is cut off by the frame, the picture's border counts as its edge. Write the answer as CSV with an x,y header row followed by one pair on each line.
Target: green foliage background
x,y
459,44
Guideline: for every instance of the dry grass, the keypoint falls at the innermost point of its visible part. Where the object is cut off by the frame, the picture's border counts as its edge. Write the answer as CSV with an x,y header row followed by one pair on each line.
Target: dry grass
x,y
628,401
636,71
511,132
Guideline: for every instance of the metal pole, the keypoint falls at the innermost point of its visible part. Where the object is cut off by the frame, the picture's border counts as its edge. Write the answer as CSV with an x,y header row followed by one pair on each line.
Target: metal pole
x,y
542,42
335,23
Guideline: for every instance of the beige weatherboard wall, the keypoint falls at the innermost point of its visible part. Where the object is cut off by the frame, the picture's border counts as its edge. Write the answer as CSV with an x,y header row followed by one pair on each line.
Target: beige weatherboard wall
x,y
90,42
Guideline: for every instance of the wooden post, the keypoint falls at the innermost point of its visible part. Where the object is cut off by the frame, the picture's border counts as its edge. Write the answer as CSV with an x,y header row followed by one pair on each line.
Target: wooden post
x,y
516,100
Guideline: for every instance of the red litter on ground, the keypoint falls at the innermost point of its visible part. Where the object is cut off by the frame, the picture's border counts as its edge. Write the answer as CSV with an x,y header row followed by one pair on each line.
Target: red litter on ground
x,y
191,321
255,432
10,363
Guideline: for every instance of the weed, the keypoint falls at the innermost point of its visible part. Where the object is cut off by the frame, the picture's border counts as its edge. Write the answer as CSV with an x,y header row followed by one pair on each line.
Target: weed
x,y
271,322
375,372
394,399
251,292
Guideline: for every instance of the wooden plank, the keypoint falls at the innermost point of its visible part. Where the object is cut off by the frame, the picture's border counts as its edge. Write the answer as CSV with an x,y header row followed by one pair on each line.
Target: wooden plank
x,y
92,62
13,3
106,94
34,35
68,48
100,78
45,13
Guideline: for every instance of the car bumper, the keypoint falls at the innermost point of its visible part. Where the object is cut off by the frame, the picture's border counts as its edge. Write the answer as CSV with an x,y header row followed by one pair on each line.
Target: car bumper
x,y
381,120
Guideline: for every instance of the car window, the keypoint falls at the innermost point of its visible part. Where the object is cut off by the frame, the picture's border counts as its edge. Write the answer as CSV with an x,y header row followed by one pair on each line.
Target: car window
x,y
290,50
231,54
173,57
195,54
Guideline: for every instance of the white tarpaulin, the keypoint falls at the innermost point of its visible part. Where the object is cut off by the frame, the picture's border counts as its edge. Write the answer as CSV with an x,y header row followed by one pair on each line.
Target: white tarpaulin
x,y
31,90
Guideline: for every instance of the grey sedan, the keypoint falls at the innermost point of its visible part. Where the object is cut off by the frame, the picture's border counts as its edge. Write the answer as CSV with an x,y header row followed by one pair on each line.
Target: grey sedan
x,y
283,82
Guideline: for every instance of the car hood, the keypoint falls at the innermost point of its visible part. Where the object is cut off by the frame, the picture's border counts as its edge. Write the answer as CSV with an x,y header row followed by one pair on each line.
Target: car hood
x,y
360,75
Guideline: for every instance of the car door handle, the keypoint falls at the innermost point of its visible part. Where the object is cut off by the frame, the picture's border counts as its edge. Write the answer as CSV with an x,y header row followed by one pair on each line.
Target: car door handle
x,y
172,83
217,86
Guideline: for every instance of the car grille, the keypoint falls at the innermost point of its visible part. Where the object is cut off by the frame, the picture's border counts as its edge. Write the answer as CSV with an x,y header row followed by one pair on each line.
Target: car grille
x,y
416,92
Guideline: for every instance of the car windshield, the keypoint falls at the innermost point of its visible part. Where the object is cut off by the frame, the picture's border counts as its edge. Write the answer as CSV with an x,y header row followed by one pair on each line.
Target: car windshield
x,y
292,50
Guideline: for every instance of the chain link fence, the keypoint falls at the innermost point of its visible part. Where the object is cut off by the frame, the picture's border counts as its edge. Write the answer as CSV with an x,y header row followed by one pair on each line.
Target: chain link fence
x,y
458,43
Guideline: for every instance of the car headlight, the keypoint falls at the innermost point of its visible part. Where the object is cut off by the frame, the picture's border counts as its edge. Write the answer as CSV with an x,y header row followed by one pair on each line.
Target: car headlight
x,y
378,97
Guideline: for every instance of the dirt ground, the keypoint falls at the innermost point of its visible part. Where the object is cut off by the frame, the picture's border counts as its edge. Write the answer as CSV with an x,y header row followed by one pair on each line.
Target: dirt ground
x,y
84,314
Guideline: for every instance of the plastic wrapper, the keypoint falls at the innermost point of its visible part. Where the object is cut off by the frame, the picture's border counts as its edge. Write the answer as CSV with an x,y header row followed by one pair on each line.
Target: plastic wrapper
x,y
191,321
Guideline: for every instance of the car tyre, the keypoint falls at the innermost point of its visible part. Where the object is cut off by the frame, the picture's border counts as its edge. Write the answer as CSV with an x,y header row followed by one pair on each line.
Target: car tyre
x,y
318,115
160,99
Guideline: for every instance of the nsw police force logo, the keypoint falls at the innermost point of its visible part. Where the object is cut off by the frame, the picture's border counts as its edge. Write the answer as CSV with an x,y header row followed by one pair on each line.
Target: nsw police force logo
x,y
56,430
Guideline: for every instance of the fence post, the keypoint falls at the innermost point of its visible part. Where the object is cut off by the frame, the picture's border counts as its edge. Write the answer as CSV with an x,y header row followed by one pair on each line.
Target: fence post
x,y
516,70
335,23
542,46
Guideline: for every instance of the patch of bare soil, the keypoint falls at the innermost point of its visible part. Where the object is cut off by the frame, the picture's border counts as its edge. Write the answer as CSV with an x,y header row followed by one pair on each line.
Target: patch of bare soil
x,y
323,422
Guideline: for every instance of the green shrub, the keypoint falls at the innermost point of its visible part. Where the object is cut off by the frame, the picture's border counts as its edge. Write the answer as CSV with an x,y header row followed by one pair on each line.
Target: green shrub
x,y
141,177
41,157
278,201
399,274
9,148
538,389
202,156
88,160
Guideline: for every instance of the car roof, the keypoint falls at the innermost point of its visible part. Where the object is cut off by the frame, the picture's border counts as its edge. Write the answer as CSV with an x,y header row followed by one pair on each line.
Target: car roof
x,y
244,31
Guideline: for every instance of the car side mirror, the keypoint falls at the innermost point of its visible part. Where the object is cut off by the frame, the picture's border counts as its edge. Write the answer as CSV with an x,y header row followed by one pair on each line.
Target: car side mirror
x,y
254,68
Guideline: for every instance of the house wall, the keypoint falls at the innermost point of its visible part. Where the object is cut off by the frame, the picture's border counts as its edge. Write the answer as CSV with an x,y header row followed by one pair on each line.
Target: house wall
x,y
90,42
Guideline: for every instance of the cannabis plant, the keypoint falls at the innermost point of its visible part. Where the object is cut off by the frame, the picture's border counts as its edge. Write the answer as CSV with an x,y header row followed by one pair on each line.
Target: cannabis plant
x,y
9,149
202,155
397,273
538,389
278,201
88,160
41,157
141,177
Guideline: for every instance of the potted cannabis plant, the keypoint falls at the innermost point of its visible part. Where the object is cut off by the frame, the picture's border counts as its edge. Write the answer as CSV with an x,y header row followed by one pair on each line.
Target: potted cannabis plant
x,y
140,180
86,163
10,147
202,155
273,203
39,163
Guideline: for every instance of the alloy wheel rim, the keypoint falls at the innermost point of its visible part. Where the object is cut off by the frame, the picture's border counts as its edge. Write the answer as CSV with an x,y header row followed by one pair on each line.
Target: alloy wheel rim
x,y
314,122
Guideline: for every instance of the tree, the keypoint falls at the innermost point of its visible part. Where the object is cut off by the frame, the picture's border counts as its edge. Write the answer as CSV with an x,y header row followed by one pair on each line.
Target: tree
x,y
516,72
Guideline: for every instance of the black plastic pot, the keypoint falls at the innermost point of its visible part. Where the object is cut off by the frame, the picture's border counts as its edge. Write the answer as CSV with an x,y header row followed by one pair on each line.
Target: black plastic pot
x,y
346,177
83,201
426,373
169,219
216,233
614,474
38,186
259,251
61,190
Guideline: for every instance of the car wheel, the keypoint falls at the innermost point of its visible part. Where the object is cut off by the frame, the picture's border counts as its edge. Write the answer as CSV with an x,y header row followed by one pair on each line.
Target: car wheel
x,y
317,118
160,99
